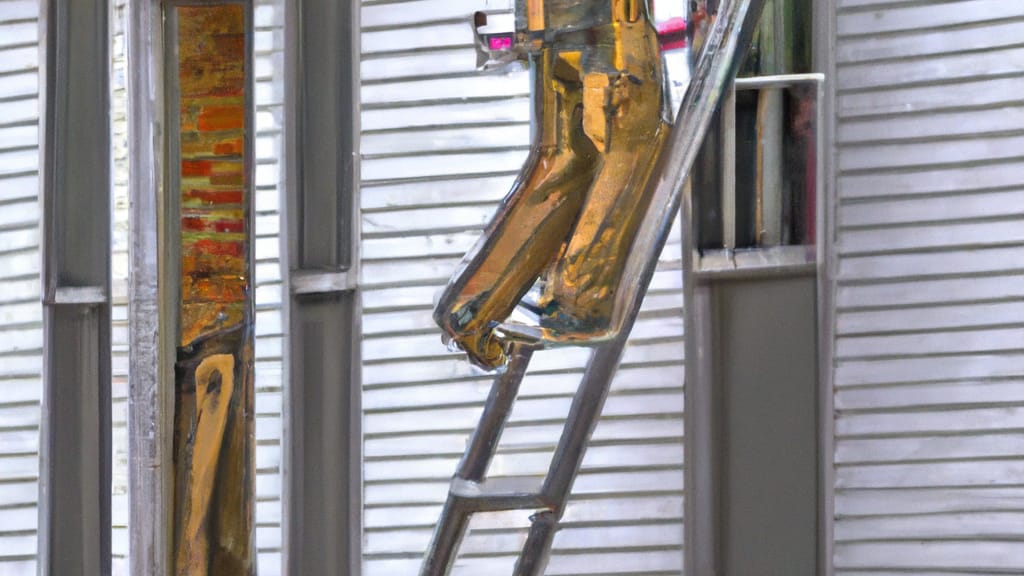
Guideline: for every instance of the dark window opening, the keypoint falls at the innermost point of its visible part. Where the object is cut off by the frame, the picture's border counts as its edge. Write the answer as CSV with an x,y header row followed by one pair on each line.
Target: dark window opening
x,y
754,182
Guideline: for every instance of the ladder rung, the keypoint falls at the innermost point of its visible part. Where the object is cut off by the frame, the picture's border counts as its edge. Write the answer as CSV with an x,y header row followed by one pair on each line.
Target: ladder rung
x,y
512,493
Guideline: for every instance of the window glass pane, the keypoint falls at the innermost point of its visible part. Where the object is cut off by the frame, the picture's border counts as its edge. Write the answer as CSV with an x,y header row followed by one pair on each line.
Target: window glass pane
x,y
208,194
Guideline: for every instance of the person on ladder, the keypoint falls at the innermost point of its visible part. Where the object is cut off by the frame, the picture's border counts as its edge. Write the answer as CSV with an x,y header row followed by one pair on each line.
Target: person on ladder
x,y
600,121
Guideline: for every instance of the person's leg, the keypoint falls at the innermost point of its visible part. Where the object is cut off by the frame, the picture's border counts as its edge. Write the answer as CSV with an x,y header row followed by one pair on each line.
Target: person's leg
x,y
533,222
580,292
623,106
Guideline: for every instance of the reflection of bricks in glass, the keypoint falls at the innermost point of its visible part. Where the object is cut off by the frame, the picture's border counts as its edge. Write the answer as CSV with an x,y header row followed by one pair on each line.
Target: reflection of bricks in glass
x,y
213,424
214,248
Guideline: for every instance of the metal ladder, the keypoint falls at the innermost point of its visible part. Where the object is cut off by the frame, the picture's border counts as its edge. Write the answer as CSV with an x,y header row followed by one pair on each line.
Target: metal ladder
x,y
470,491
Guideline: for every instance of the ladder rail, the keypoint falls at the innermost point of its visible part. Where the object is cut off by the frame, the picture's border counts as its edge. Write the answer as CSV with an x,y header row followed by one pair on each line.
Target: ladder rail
x,y
484,441
584,412
454,519
715,69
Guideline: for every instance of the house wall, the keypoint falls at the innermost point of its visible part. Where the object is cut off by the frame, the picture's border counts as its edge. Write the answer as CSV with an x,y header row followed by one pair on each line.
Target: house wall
x,y
929,346
929,358
21,315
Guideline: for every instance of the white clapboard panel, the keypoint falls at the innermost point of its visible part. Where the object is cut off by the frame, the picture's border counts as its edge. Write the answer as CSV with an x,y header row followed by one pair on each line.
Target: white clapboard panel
x,y
929,369
21,315
268,63
119,288
441,145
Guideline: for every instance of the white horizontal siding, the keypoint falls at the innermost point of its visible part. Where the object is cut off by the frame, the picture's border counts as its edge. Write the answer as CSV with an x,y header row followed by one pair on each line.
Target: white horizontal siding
x,y
268,62
119,289
440,145
929,367
21,314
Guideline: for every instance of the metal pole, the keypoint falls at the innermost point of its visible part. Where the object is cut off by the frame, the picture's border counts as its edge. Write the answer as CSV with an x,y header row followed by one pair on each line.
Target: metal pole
x,y
727,153
150,307
769,167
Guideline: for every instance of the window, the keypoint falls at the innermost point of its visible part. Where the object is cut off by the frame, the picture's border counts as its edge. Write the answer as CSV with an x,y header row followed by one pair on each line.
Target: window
x,y
755,183
753,384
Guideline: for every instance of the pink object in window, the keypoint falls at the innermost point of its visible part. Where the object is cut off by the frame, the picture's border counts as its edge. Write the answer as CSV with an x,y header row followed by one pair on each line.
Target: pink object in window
x,y
500,42
672,33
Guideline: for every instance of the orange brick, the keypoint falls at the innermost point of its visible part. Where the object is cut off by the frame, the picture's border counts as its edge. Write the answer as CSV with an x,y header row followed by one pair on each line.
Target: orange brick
x,y
217,118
